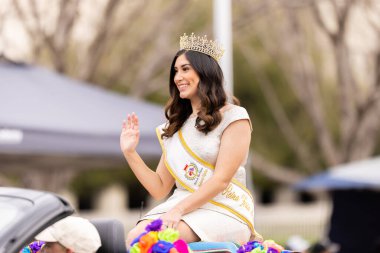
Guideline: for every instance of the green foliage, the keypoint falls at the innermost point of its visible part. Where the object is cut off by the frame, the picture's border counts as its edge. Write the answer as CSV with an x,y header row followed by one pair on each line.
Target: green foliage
x,y
92,181
263,182
157,97
87,184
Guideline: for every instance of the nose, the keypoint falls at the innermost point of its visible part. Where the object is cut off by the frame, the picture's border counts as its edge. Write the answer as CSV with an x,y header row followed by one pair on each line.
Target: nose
x,y
177,77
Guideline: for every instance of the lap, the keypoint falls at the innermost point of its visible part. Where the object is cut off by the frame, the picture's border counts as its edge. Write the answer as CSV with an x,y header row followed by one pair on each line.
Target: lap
x,y
185,232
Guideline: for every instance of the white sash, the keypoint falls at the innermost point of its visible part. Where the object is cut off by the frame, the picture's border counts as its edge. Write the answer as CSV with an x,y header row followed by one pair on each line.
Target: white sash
x,y
191,171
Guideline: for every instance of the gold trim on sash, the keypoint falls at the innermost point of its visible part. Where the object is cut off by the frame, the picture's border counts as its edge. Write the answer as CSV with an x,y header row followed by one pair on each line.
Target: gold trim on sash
x,y
195,156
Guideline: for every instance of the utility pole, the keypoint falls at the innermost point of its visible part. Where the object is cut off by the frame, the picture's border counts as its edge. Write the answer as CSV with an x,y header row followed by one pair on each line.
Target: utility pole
x,y
223,34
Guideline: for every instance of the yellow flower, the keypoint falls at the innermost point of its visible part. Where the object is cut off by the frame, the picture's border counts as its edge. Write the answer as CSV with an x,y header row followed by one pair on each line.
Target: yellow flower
x,y
135,248
168,235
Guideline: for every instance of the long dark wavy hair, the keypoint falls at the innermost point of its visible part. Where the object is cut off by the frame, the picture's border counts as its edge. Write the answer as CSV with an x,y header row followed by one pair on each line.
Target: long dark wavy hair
x,y
210,91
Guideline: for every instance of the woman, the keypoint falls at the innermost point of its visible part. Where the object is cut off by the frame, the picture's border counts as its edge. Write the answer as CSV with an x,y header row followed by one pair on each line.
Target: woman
x,y
205,144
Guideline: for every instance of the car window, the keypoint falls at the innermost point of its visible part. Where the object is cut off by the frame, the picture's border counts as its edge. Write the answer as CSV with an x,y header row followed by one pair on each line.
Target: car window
x,y
11,209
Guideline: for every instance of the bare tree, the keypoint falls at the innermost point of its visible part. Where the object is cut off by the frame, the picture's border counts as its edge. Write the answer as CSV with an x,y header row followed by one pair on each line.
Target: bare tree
x,y
56,41
126,43
150,53
287,45
126,46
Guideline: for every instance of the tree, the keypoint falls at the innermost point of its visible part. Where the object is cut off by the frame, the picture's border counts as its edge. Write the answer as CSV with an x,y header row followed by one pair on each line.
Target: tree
x,y
314,104
122,47
296,40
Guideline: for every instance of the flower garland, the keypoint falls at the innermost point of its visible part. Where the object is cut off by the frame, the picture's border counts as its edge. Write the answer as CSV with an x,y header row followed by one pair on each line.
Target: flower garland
x,y
268,246
155,240
33,247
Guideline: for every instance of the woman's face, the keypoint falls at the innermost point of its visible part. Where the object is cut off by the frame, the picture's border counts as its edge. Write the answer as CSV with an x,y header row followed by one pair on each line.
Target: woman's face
x,y
186,79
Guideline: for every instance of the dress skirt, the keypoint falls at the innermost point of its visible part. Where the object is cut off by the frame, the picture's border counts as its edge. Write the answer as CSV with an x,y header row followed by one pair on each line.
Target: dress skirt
x,y
211,223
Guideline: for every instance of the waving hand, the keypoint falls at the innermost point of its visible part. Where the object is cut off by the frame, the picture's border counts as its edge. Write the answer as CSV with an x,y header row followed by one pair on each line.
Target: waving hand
x,y
130,134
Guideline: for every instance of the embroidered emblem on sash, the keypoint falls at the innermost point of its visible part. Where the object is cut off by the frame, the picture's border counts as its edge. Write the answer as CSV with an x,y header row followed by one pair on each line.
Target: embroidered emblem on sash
x,y
191,171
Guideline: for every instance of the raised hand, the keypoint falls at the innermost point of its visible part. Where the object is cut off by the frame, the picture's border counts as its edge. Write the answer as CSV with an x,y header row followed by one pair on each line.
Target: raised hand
x,y
130,134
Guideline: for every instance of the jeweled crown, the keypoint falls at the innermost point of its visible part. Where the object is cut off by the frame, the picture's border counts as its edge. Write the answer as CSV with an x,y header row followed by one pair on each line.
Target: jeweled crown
x,y
201,44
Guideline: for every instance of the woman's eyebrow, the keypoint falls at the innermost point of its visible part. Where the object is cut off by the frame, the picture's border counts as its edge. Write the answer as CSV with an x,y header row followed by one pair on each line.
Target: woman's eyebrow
x,y
183,65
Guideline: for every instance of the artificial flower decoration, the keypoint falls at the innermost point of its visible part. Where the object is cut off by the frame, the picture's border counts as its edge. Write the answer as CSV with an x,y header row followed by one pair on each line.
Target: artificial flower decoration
x,y
34,247
156,240
268,246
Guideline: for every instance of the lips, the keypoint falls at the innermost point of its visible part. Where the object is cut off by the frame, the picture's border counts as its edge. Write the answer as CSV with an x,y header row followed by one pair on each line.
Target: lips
x,y
182,87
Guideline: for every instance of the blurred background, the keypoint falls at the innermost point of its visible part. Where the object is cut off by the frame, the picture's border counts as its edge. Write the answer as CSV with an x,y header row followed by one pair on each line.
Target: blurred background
x,y
307,71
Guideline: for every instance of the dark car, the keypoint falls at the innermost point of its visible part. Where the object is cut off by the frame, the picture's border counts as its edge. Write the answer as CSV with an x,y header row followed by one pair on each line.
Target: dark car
x,y
24,213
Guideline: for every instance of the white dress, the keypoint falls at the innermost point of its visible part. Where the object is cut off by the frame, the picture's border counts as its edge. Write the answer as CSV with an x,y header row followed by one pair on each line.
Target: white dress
x,y
209,222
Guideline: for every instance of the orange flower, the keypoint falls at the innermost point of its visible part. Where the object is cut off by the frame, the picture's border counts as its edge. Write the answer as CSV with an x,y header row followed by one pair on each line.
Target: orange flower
x,y
146,242
173,250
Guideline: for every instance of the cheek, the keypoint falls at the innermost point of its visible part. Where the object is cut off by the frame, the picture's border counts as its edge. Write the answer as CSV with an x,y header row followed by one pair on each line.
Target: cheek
x,y
195,82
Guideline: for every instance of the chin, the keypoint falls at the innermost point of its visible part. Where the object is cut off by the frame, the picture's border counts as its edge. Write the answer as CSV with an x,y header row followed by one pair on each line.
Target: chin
x,y
183,96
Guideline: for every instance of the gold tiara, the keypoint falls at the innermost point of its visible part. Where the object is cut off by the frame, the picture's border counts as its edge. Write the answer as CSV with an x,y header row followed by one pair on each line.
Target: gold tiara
x,y
201,44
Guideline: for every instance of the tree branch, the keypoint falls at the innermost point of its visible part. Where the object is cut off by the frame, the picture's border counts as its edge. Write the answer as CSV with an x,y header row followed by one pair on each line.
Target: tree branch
x,y
346,83
304,84
163,54
318,18
343,16
139,80
366,136
99,43
36,43
368,127
251,11
59,41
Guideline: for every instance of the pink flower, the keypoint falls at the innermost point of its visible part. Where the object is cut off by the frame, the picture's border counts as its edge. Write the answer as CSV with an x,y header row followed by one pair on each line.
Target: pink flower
x,y
181,246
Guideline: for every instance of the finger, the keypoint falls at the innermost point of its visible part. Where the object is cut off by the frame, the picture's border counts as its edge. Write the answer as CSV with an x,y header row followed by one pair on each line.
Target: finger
x,y
137,133
135,125
129,121
124,125
135,121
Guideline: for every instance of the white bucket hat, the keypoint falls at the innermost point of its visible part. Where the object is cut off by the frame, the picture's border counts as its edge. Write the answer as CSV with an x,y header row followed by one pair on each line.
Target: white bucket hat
x,y
74,233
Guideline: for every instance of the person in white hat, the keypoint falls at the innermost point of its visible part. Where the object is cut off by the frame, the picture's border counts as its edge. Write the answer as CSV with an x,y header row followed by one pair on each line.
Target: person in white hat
x,y
70,235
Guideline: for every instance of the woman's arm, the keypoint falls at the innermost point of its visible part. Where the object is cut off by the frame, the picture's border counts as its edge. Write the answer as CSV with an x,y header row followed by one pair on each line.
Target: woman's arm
x,y
234,146
158,183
